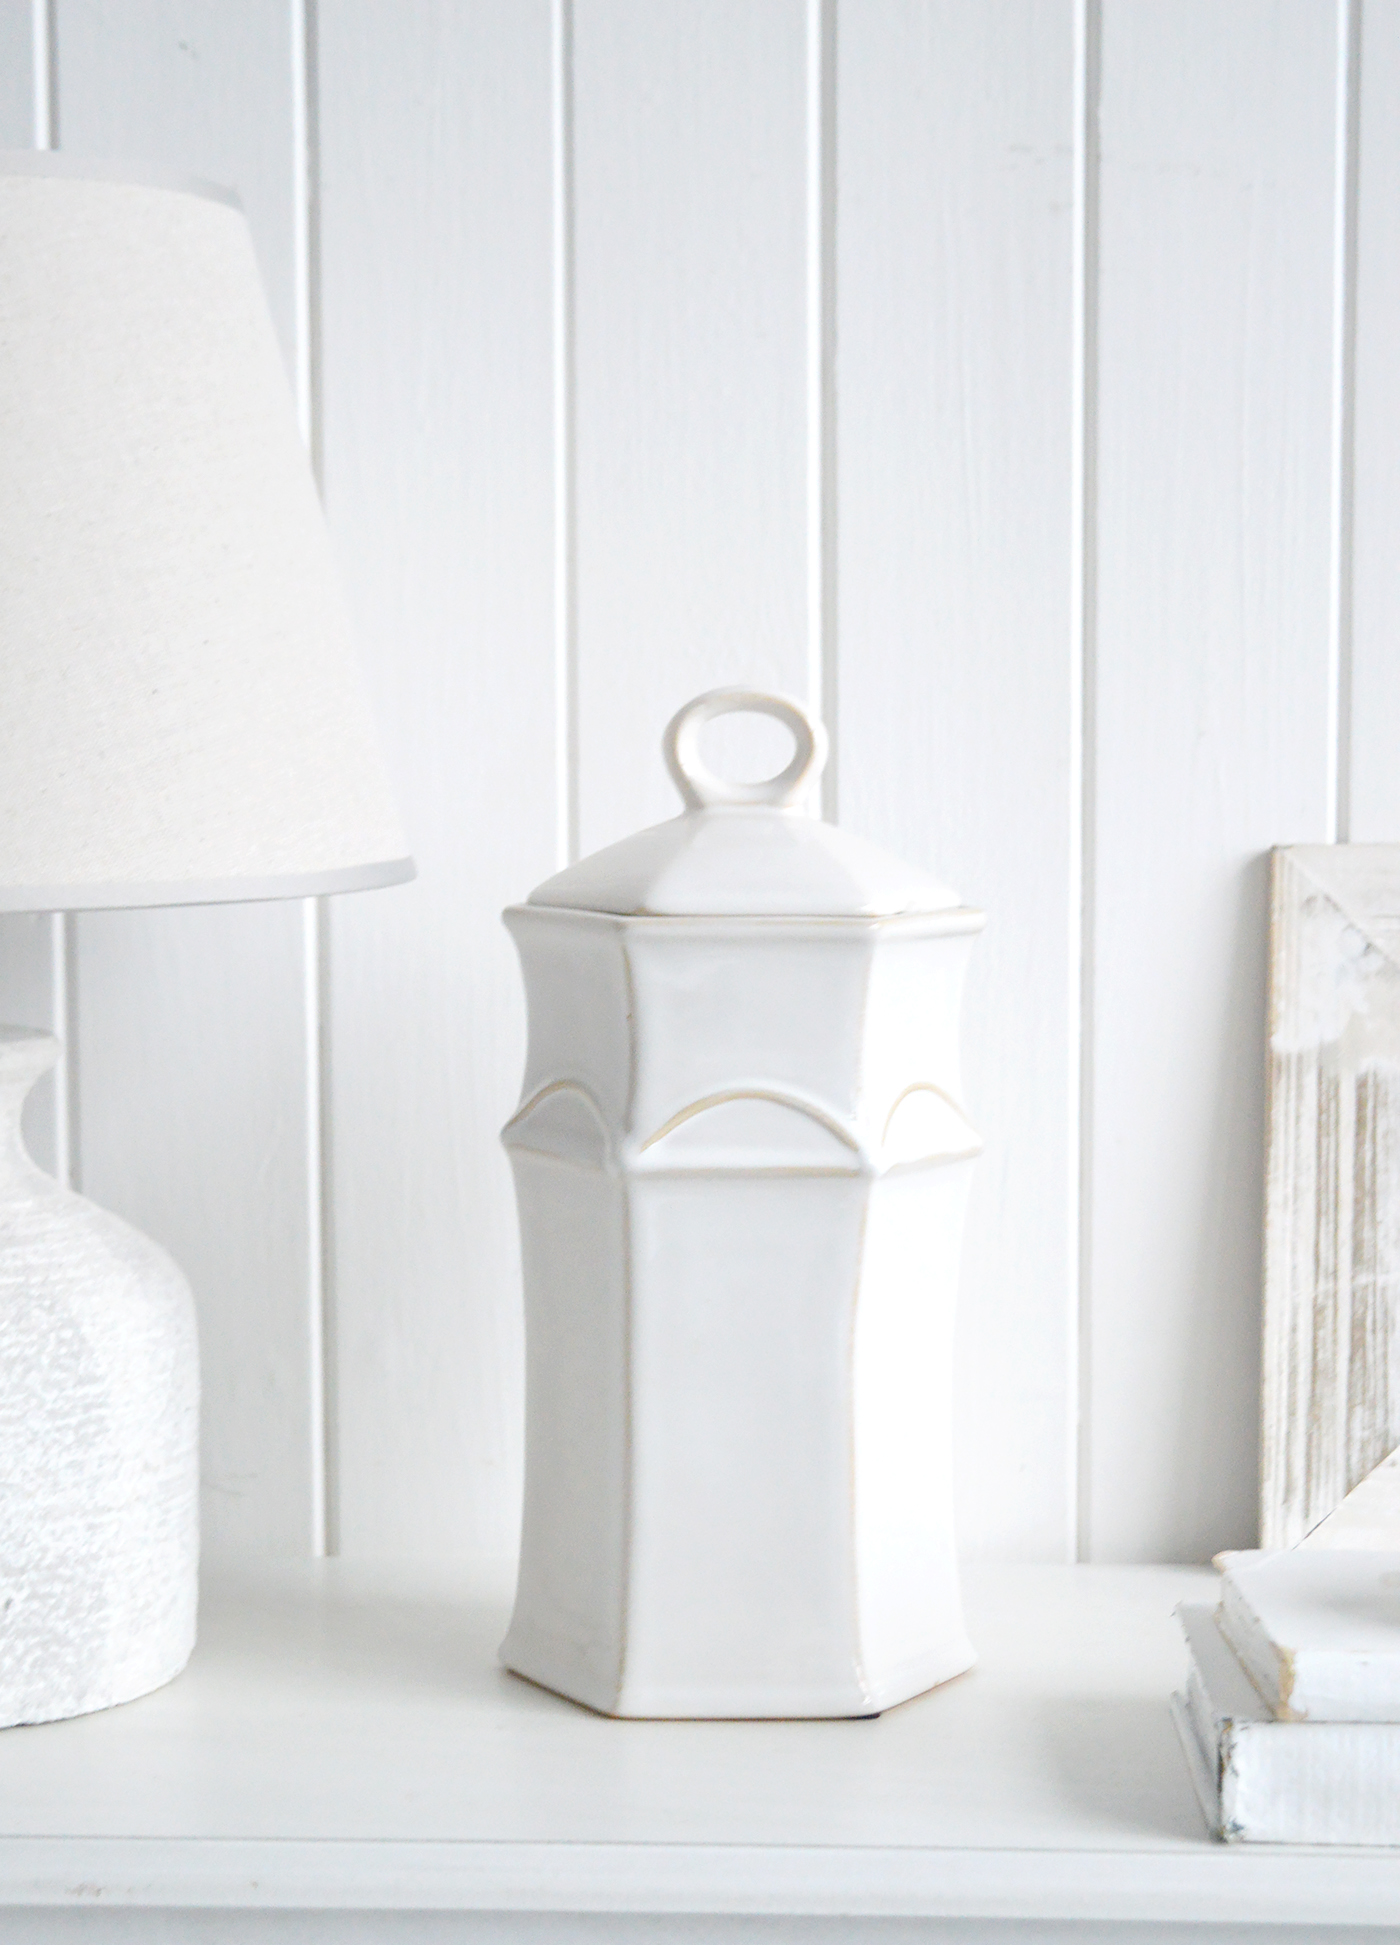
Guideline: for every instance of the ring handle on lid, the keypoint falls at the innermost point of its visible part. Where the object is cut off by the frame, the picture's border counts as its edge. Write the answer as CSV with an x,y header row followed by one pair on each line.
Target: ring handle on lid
x,y
697,782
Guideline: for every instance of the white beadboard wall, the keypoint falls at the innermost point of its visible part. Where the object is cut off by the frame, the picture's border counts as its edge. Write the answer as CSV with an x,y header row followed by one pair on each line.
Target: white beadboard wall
x,y
1016,380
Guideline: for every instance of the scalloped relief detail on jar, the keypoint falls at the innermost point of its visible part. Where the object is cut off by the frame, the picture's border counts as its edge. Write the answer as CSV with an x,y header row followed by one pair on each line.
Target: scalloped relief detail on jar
x,y
563,1121
759,1130
746,1129
927,1125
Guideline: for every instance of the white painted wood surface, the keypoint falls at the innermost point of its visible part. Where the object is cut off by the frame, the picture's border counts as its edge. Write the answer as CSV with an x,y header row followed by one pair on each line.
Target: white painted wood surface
x,y
397,1766
588,1928
1016,380
954,390
397,1769
18,129
1373,776
436,267
688,229
1209,683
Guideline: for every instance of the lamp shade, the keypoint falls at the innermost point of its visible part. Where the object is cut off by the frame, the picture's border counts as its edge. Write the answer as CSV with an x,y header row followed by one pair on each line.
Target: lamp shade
x,y
181,715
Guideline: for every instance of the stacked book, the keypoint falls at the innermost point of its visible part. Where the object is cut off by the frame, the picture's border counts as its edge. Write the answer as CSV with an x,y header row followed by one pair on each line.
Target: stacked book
x,y
1290,1718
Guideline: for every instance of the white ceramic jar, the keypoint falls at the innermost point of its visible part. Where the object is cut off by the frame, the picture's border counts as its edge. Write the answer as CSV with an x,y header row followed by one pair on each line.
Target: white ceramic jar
x,y
742,1165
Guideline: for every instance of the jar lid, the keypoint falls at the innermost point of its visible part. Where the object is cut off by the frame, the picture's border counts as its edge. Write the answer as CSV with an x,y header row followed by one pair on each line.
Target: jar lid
x,y
744,848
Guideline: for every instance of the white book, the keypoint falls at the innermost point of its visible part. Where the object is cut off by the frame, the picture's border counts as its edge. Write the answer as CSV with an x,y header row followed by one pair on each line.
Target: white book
x,y
1318,1631
1263,1781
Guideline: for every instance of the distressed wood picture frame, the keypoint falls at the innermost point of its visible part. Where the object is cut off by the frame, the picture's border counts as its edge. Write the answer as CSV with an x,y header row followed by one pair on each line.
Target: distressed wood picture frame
x,y
1331,1359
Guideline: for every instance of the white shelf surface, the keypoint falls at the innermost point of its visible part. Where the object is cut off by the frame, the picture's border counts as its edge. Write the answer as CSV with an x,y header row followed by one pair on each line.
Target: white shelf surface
x,y
344,1740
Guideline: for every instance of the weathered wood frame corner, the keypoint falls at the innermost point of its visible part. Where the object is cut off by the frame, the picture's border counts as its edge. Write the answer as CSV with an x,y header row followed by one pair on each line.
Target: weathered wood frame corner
x,y
1331,1361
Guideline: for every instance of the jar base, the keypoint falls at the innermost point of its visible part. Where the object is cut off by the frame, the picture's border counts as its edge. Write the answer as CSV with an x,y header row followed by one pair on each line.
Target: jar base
x,y
25,1714
848,1699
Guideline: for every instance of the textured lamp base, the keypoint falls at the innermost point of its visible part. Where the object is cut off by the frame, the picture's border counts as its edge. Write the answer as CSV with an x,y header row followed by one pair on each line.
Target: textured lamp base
x,y
99,1429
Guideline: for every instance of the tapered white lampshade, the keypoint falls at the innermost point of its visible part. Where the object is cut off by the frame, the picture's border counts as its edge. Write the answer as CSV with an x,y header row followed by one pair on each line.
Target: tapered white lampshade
x,y
181,717
181,721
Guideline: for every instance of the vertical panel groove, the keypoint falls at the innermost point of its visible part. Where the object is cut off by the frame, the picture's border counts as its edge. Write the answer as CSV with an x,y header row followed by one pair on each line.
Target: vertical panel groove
x,y
1082,806
45,40
324,1428
321,1351
1372,721
63,1013
822,660
437,143
565,440
62,925
307,242
1215,440
1344,414
63,948
324,1431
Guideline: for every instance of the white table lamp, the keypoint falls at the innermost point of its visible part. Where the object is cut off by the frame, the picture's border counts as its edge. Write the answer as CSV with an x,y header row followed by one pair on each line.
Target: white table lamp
x,y
181,722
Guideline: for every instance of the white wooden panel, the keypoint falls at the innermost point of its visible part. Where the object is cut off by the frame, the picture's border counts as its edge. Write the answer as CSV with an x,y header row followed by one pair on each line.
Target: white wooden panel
x,y
1375,591
26,940
688,356
436,228
685,477
193,1063
1211,706
19,128
29,998
956,680
201,88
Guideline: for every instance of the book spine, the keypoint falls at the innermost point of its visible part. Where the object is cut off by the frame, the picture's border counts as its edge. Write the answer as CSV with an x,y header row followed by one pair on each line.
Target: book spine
x,y
1203,1719
1310,1783
1270,1673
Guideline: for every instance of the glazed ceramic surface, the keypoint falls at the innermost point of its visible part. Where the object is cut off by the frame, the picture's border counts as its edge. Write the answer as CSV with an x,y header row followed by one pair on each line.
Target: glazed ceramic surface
x,y
99,1462
742,1166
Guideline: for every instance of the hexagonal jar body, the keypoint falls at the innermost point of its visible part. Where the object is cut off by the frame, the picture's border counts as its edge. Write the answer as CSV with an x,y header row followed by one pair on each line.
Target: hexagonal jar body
x,y
741,1170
